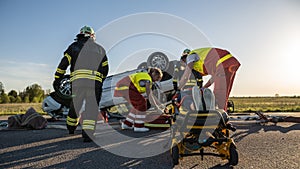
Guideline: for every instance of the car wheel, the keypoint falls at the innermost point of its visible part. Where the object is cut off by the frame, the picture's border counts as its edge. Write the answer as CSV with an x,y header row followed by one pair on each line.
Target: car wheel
x,y
142,65
159,60
64,88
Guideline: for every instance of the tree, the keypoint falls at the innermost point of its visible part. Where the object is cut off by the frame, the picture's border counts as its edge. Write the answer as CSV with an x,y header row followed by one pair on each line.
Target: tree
x,y
34,92
12,96
4,98
18,99
1,88
13,93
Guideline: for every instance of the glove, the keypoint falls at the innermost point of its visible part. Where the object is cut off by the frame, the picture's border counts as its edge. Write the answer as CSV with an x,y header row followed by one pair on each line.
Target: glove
x,y
161,108
56,84
177,96
176,99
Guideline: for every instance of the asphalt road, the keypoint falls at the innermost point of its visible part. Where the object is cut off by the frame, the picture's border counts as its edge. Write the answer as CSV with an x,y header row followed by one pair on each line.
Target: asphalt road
x,y
259,146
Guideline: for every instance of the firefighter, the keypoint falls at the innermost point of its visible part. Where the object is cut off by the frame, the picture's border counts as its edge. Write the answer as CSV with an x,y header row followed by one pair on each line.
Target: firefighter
x,y
218,63
131,88
89,68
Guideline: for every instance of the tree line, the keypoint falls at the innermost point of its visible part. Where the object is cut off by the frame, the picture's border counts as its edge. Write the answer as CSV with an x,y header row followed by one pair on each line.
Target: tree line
x,y
31,94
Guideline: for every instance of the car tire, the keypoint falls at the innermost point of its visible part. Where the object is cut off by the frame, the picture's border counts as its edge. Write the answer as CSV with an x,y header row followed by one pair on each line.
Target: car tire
x,y
64,90
142,65
159,60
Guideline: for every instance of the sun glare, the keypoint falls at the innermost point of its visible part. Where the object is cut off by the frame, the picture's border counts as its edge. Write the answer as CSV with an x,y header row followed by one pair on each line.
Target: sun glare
x,y
291,62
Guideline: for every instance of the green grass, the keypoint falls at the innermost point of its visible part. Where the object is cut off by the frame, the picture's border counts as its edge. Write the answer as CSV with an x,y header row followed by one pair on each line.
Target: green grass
x,y
266,104
241,104
19,108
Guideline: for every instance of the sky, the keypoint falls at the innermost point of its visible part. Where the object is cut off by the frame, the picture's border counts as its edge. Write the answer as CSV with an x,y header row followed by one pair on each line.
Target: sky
x,y
263,35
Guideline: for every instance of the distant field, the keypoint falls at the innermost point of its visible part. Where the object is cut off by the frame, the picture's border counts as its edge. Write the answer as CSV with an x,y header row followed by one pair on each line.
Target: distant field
x,y
266,104
241,104
19,108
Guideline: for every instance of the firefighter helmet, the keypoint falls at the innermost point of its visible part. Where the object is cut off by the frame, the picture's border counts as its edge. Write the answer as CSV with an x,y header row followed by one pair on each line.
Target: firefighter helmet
x,y
87,31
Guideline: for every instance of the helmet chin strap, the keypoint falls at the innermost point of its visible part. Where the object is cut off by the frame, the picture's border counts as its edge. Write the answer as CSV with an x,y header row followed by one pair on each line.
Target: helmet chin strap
x,y
93,37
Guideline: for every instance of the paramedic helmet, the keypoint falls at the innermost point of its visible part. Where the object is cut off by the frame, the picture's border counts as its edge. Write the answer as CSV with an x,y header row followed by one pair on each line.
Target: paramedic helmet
x,y
185,53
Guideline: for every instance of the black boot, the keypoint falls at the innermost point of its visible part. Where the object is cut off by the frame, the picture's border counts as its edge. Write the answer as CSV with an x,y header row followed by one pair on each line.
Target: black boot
x,y
88,136
71,129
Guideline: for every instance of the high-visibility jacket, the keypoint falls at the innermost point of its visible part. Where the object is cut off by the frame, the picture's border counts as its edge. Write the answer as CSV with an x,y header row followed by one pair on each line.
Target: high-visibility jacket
x,y
87,60
139,81
210,59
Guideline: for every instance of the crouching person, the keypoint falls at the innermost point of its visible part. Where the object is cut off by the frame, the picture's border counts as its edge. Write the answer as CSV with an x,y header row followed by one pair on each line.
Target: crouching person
x,y
131,88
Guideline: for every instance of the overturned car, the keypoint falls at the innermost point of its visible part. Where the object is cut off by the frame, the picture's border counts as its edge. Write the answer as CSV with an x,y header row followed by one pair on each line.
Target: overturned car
x,y
58,102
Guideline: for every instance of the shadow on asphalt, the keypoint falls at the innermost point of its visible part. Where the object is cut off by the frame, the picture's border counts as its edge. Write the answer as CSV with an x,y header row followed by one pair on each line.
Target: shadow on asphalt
x,y
256,128
52,148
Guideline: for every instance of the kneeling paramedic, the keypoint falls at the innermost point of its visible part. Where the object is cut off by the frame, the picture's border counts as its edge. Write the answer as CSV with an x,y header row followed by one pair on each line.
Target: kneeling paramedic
x,y
131,88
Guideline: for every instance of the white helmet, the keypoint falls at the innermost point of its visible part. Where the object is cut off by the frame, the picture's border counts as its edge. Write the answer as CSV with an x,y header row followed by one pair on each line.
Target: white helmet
x,y
49,105
88,32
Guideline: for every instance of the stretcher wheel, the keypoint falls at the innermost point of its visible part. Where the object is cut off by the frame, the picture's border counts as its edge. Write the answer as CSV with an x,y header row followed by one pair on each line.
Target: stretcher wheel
x,y
175,155
230,107
234,157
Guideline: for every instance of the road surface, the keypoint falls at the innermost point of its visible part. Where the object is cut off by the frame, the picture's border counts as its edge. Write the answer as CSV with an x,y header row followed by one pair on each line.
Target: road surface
x,y
260,146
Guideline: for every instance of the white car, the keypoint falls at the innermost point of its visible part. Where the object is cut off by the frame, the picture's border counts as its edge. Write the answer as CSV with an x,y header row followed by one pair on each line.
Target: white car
x,y
60,99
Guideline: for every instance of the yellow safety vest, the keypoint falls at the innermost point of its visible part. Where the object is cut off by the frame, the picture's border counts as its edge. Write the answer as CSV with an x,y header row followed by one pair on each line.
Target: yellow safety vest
x,y
202,53
137,77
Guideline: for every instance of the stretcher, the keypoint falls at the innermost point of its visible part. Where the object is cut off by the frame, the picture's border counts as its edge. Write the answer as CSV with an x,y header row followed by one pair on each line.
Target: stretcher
x,y
193,131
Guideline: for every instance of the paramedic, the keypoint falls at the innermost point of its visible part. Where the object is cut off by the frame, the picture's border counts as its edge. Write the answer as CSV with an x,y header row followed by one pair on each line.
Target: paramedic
x,y
218,63
131,88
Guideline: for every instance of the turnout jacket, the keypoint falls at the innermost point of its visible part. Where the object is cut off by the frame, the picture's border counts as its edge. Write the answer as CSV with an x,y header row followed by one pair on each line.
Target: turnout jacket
x,y
88,63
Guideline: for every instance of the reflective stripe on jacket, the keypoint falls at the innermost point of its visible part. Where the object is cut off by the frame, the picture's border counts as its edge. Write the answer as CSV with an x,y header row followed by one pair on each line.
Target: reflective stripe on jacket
x,y
203,53
86,74
137,80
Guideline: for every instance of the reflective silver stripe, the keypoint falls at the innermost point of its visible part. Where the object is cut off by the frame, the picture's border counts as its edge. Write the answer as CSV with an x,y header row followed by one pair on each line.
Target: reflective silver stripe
x,y
139,121
130,120
131,115
140,116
